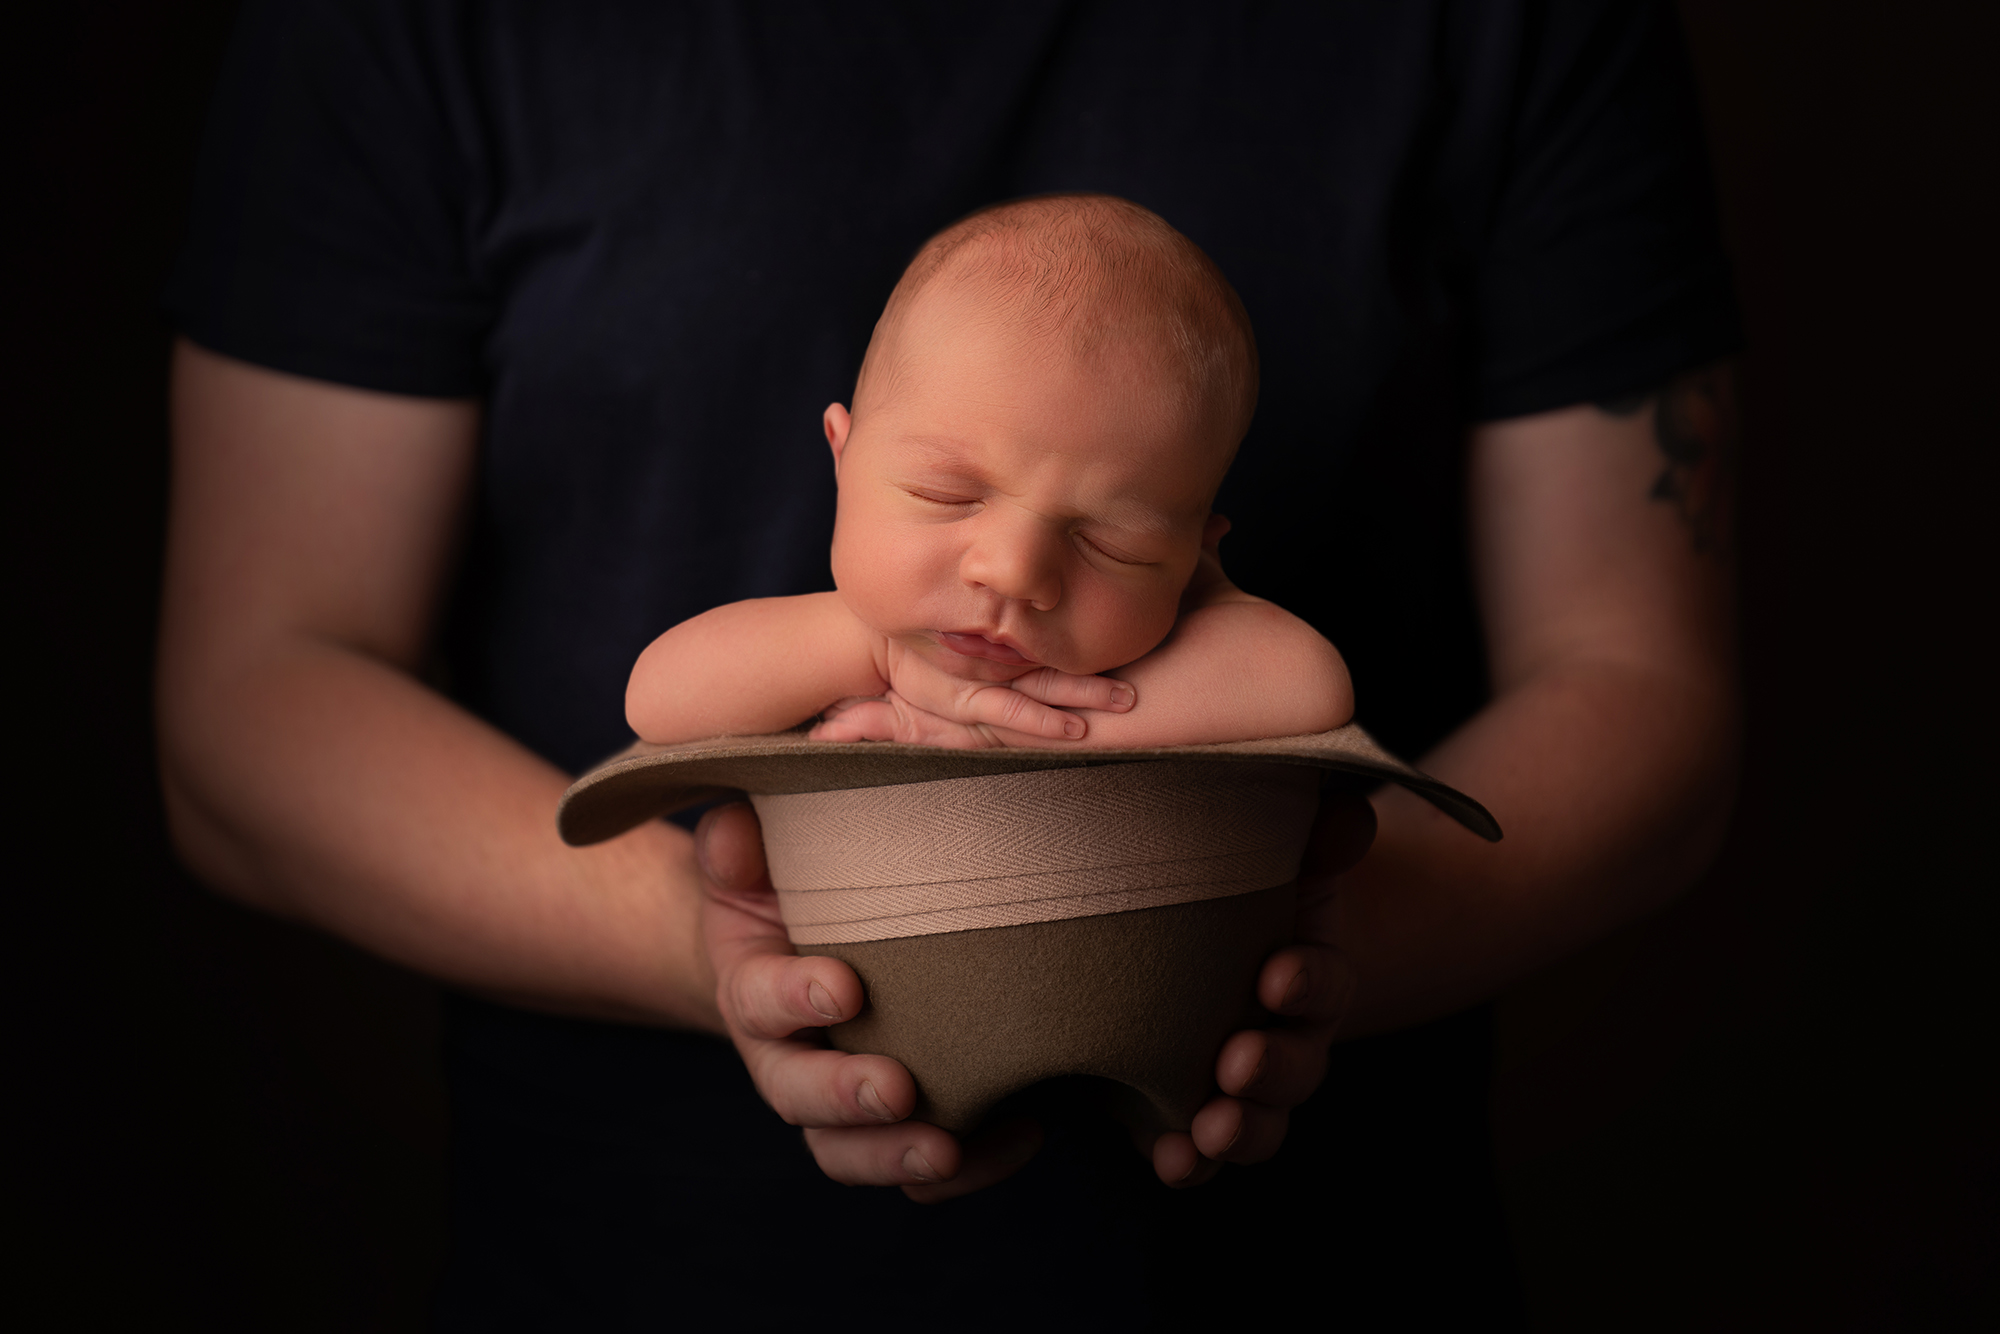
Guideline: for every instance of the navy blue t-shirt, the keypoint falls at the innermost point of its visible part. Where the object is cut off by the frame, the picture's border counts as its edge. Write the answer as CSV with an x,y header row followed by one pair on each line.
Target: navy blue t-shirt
x,y
653,238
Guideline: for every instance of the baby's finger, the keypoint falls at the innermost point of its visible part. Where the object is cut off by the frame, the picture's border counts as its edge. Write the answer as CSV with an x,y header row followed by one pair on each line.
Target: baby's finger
x,y
911,1153
858,720
1231,1130
893,720
773,995
1279,1067
814,1087
1309,982
1076,692
991,1158
1013,711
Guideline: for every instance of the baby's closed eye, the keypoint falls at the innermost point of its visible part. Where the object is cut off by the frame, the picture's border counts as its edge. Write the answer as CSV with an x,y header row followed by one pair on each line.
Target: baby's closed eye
x,y
1111,548
940,498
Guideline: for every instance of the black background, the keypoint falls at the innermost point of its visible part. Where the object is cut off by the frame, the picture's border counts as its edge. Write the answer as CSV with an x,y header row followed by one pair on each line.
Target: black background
x,y
1771,1107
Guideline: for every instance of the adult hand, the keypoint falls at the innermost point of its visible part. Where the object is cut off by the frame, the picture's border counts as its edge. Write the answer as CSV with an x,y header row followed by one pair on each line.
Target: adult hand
x,y
1264,1073
853,1108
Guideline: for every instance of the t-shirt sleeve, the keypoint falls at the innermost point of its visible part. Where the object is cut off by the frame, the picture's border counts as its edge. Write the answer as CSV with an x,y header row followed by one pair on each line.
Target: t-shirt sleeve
x,y
1601,272
328,233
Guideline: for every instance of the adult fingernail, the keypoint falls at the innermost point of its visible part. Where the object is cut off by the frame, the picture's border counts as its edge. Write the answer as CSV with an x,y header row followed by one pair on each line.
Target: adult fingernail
x,y
822,1002
871,1103
1073,728
1256,1074
918,1166
1296,993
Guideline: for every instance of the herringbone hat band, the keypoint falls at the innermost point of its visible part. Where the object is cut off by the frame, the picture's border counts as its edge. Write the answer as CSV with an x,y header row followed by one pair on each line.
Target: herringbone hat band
x,y
963,854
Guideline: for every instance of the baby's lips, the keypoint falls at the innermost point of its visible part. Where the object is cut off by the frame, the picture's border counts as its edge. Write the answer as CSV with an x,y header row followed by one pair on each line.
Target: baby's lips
x,y
973,645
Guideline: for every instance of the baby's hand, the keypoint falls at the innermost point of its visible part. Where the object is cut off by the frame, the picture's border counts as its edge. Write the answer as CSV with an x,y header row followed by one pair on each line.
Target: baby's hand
x,y
890,717
929,708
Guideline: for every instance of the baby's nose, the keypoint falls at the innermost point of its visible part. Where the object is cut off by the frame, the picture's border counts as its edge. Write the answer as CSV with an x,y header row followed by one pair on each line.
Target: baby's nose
x,y
1019,559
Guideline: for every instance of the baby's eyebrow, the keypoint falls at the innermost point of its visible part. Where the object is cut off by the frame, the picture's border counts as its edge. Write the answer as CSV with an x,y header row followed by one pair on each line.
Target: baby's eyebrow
x,y
942,460
1141,519
939,451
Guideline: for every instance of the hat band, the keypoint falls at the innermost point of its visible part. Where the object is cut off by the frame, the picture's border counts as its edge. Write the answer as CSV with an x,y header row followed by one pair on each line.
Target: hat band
x,y
967,854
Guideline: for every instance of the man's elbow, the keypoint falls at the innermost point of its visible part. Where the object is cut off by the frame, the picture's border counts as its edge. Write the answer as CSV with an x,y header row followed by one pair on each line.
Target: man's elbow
x,y
1714,807
191,769
1711,770
205,846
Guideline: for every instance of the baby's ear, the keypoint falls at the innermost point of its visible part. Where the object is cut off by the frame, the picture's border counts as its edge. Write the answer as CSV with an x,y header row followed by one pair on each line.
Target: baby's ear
x,y
1212,533
837,424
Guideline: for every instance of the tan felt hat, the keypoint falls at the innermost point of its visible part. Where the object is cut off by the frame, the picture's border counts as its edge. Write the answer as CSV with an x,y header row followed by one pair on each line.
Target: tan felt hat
x,y
646,781
1018,916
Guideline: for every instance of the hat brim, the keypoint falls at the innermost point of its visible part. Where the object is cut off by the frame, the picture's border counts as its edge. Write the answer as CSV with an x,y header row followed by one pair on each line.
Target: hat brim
x,y
646,781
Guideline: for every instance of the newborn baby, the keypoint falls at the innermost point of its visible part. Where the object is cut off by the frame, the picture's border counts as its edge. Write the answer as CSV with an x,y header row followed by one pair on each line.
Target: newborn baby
x,y
1024,548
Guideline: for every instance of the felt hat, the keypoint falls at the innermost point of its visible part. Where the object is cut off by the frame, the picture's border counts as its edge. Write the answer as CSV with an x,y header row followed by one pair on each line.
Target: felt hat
x,y
646,781
1017,916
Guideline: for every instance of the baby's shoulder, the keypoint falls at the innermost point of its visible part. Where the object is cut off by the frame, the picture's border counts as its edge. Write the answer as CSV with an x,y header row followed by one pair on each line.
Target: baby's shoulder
x,y
1241,666
1240,624
808,622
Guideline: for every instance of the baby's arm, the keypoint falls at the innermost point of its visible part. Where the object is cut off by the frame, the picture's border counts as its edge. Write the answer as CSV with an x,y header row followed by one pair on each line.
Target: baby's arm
x,y
1236,668
751,667
1239,670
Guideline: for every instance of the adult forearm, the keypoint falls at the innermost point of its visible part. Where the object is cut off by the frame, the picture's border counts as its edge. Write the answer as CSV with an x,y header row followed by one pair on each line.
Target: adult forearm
x,y
1613,783
317,782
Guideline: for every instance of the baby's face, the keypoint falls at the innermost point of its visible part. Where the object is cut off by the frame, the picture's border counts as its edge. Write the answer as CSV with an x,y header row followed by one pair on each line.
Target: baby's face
x,y
1006,506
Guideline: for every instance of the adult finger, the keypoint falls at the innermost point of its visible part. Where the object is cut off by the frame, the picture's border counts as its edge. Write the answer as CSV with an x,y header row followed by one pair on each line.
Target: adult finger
x,y
1280,1067
766,992
773,994
1178,1163
909,1153
1076,692
729,851
762,987
1231,1130
990,1157
1313,983
814,1087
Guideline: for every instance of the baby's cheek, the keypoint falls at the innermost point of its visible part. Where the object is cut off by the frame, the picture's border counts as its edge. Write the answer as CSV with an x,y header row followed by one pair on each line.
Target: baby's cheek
x,y
1125,629
885,583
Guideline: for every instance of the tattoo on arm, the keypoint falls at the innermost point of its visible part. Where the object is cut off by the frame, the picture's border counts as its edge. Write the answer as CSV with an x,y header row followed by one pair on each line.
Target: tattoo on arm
x,y
1696,428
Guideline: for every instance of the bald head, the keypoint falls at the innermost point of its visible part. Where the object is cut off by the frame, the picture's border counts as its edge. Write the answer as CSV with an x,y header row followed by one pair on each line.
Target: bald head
x,y
1086,278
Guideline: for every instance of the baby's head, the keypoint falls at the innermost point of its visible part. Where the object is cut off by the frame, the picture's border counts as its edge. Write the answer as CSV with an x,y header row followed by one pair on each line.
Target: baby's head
x,y
1048,404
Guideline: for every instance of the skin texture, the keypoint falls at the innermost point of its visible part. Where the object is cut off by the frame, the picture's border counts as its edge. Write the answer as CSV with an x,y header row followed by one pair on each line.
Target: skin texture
x,y
308,770
1014,519
310,535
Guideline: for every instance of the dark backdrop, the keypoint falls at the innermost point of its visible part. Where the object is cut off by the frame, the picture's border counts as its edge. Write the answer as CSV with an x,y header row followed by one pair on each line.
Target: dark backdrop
x,y
1771,1107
